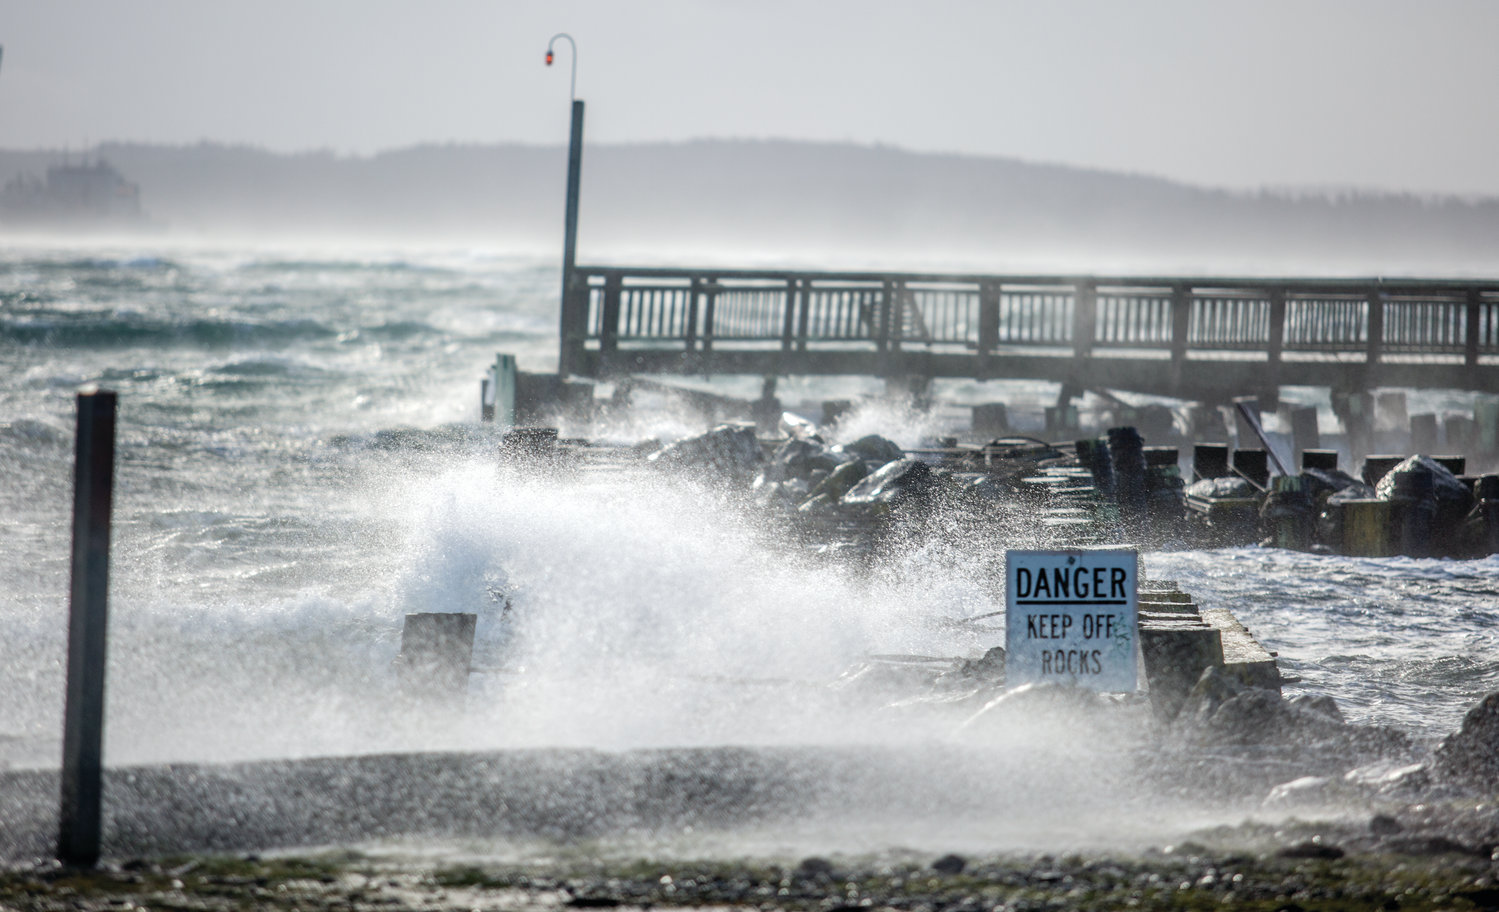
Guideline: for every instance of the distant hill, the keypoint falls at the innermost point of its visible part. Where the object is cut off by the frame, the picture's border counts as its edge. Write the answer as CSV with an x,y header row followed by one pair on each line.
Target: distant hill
x,y
733,200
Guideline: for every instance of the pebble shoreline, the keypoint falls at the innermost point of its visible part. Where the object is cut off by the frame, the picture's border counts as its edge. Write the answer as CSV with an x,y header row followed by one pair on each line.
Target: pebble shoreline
x,y
1308,875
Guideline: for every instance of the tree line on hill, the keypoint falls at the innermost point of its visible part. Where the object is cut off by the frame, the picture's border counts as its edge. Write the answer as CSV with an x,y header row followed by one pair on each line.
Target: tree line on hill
x,y
852,204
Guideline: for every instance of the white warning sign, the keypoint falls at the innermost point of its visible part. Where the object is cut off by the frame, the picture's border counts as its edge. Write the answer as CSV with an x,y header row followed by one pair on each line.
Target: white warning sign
x,y
1071,617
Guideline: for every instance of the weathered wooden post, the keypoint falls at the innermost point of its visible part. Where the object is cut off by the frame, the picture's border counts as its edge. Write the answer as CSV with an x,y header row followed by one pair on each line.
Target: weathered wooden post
x,y
1304,433
1377,466
1254,465
1472,327
1486,431
1246,415
1356,411
1367,528
499,391
990,296
1084,318
990,420
1325,460
1391,411
1424,434
436,655
788,314
833,411
1458,431
1181,326
79,827
1457,465
1291,523
1205,422
1209,460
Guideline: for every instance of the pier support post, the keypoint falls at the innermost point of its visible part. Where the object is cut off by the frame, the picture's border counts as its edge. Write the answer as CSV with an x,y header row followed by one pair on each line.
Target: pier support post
x,y
1244,436
499,391
767,409
1457,431
1486,432
486,400
1304,433
1424,434
991,420
80,827
436,655
1181,326
1356,412
990,295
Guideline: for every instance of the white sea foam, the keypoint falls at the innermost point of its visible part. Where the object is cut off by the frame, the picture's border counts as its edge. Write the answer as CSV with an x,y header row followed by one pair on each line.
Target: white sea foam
x,y
271,534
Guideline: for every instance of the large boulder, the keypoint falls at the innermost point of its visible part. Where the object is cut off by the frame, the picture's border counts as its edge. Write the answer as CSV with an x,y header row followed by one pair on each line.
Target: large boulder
x,y
1228,486
729,449
1470,756
841,480
1323,483
1432,505
1222,710
799,457
1420,475
1054,713
896,482
873,449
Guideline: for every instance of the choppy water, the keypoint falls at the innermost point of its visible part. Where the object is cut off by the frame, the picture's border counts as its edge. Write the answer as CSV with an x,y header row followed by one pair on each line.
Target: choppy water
x,y
299,467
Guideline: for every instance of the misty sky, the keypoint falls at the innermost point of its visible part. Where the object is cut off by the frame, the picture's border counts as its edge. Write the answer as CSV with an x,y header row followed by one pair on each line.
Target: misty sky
x,y
1366,94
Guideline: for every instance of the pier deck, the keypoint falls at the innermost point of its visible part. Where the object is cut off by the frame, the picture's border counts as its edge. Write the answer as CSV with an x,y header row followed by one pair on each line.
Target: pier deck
x,y
1190,337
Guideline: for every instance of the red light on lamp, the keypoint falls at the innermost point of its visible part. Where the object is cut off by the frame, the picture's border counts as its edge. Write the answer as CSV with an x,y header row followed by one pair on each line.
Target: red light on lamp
x,y
549,58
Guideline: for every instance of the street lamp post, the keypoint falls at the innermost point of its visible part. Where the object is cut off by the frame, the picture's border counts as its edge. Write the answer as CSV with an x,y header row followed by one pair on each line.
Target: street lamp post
x,y
574,300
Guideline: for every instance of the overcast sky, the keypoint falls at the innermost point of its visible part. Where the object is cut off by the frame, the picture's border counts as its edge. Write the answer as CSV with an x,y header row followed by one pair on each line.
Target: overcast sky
x,y
1367,94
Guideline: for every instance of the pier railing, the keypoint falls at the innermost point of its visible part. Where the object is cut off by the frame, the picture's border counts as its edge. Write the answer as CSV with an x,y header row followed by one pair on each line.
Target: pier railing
x,y
620,319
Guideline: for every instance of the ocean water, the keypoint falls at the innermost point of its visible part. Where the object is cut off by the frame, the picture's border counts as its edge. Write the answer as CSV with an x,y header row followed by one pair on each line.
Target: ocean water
x,y
300,465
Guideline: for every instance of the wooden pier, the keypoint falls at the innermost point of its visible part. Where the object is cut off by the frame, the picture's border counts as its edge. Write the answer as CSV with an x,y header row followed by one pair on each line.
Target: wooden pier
x,y
1205,339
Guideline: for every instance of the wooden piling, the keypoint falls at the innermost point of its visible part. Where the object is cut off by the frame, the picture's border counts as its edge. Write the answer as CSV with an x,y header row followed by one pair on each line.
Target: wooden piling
x,y
1061,421
1368,528
1244,433
1326,460
1205,422
1304,432
1424,434
1391,406
833,411
436,655
990,420
1253,464
529,443
1209,460
1486,431
503,380
1457,465
79,826
1378,466
1356,411
1459,431
1292,524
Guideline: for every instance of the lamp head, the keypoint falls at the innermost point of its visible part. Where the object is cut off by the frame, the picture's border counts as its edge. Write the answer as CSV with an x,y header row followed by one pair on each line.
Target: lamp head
x,y
549,58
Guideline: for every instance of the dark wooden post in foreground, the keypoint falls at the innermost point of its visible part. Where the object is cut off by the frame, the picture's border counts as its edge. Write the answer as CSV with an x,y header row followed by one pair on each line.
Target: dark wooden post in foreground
x,y
83,719
436,655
